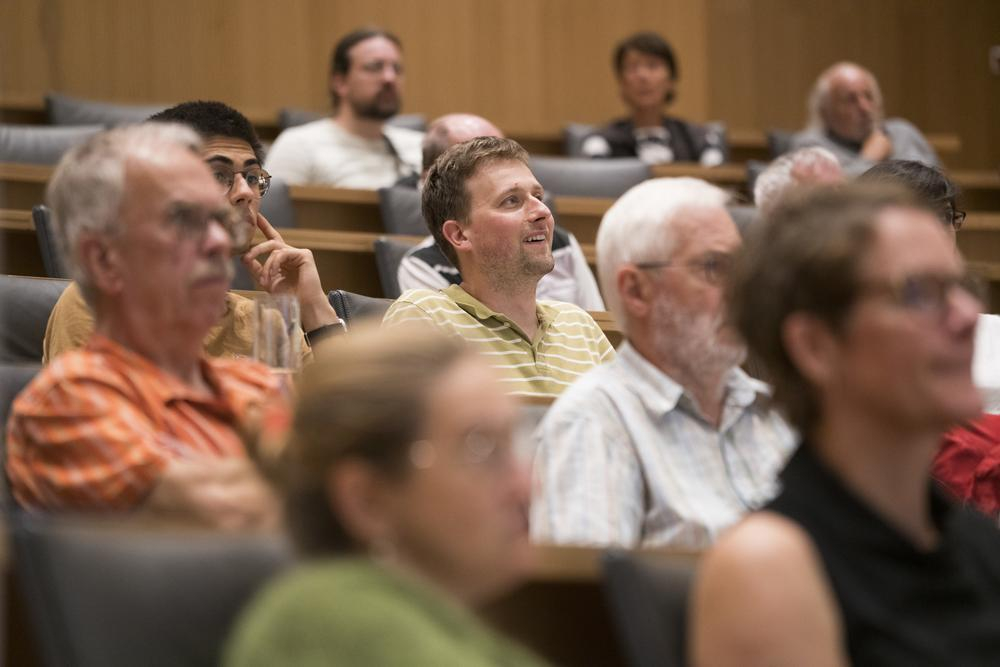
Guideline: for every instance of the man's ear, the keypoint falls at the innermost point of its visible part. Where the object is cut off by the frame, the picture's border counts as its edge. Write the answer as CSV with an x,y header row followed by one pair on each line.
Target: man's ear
x,y
454,233
812,346
336,83
102,262
355,492
635,291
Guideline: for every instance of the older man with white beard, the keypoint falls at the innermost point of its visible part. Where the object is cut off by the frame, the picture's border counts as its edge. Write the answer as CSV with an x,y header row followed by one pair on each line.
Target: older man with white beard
x,y
671,442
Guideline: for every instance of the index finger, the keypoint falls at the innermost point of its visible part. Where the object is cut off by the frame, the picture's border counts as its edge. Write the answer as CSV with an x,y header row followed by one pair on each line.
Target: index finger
x,y
265,227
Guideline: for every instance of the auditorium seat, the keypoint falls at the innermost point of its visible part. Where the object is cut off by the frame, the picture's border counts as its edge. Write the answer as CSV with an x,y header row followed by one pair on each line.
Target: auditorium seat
x,y
388,254
743,216
277,205
779,142
400,210
40,144
13,378
26,304
583,177
47,244
353,308
573,137
107,595
648,601
65,110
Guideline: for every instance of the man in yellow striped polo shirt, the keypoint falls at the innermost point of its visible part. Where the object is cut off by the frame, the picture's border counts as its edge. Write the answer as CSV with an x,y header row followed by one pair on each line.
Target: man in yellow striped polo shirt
x,y
484,208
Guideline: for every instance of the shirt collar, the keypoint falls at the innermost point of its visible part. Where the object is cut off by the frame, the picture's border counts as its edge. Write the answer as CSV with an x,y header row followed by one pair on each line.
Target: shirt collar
x,y
660,393
479,310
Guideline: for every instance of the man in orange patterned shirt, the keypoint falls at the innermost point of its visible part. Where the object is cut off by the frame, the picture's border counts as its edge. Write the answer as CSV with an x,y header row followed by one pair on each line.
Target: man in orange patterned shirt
x,y
140,418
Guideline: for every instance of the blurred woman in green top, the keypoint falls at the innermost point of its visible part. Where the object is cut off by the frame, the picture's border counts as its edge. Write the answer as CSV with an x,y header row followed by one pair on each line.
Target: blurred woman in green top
x,y
403,495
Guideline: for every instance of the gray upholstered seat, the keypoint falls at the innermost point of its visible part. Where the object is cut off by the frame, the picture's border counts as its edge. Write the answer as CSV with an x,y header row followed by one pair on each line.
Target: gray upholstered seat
x,y
583,177
353,307
648,602
66,110
388,254
25,305
52,259
743,216
779,142
112,596
41,144
277,206
400,210
574,135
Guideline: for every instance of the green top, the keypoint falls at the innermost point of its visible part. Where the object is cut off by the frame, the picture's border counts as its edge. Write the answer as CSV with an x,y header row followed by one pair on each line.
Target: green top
x,y
568,342
353,612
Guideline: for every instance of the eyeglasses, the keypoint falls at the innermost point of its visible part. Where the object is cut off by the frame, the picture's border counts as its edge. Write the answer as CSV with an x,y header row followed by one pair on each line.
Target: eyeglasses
x,y
256,178
714,268
952,217
191,223
479,449
928,293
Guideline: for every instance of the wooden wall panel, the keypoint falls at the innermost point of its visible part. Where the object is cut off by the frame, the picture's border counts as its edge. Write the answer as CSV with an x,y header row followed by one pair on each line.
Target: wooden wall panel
x,y
529,65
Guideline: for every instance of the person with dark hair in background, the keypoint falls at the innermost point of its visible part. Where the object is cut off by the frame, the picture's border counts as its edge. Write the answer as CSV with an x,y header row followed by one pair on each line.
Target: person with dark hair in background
x,y
354,148
233,153
968,463
402,491
647,74
858,305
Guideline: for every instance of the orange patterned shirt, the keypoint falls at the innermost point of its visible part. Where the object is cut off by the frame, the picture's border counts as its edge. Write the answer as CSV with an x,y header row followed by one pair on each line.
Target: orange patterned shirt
x,y
97,426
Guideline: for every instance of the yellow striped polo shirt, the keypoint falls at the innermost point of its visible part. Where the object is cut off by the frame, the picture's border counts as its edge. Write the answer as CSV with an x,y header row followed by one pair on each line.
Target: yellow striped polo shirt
x,y
566,345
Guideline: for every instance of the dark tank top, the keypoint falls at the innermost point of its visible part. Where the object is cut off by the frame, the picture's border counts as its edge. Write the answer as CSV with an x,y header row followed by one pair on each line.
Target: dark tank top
x,y
900,605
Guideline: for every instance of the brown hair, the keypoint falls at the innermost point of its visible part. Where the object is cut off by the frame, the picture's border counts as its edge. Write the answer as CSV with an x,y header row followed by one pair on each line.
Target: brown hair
x,y
805,256
445,196
363,398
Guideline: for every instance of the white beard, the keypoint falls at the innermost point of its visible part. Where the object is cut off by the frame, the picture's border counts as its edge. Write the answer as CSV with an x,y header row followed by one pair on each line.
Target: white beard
x,y
695,340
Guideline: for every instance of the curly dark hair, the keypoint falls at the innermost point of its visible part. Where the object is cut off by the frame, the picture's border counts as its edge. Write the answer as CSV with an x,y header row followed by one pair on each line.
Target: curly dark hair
x,y
213,119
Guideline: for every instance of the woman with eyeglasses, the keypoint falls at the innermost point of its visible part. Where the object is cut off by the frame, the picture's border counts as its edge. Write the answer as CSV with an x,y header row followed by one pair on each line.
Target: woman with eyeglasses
x,y
402,493
857,303
968,464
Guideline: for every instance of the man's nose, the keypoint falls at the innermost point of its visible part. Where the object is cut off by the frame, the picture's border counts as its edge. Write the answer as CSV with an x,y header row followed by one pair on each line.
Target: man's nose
x,y
241,192
539,209
217,240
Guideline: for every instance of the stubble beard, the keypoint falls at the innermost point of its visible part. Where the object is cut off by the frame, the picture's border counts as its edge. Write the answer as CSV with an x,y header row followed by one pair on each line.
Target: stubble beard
x,y
696,340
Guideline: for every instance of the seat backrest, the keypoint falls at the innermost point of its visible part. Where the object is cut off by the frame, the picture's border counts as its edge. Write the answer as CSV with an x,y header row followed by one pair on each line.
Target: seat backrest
x,y
47,246
66,110
400,210
743,216
779,142
388,254
41,144
574,134
25,304
648,601
583,177
754,169
13,378
353,307
277,205
119,597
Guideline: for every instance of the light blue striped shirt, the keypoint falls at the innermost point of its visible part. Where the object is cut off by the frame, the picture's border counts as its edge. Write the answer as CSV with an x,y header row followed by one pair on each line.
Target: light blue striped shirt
x,y
623,458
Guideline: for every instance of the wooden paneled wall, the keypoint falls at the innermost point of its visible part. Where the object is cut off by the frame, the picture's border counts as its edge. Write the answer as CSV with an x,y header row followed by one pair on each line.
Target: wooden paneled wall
x,y
529,65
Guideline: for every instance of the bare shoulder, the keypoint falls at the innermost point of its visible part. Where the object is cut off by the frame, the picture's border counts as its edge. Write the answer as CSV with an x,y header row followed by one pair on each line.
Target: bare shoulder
x,y
761,596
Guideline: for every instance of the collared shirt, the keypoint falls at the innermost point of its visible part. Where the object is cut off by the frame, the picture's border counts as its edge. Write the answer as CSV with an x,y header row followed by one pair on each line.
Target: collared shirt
x,y
569,280
324,153
907,144
566,345
97,426
625,459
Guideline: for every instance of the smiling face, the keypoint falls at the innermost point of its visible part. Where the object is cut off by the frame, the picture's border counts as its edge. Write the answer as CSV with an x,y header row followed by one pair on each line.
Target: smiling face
x,y
645,80
373,85
224,156
507,238
172,257
899,357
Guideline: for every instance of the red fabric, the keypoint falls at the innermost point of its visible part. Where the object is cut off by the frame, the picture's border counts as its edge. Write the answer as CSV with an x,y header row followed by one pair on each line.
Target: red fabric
x,y
968,463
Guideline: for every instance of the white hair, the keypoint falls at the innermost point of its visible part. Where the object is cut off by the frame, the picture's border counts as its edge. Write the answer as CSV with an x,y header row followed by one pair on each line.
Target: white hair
x,y
639,227
774,182
820,94
86,190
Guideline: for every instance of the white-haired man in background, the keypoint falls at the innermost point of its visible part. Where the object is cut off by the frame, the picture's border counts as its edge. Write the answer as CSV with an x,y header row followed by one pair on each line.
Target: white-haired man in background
x,y
846,117
671,442
806,166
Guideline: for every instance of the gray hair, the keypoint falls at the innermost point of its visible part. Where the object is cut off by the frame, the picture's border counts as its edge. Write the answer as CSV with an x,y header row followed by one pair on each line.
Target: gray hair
x,y
820,94
639,228
86,191
775,181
